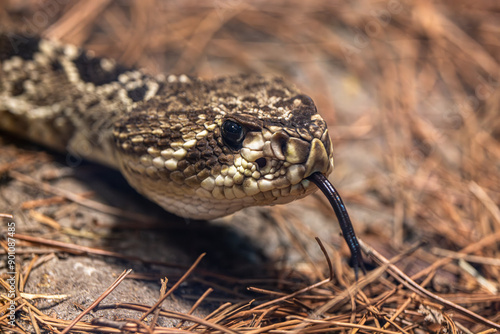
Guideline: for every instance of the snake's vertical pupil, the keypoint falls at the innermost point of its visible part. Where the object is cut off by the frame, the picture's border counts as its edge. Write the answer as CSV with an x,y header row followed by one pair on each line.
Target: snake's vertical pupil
x,y
233,134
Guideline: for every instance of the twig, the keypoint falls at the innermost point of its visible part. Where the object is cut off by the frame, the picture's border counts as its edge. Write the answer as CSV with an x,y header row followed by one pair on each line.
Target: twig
x,y
163,289
198,302
328,261
98,300
171,314
412,285
175,286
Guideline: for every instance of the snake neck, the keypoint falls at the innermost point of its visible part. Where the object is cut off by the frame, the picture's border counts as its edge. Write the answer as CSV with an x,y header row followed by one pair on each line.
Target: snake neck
x,y
64,98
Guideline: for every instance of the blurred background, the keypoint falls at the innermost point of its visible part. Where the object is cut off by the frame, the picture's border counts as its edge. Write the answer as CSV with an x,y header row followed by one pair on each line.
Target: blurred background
x,y
410,90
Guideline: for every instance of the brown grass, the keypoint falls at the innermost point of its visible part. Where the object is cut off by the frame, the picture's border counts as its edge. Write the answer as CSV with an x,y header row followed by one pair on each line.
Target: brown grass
x,y
431,122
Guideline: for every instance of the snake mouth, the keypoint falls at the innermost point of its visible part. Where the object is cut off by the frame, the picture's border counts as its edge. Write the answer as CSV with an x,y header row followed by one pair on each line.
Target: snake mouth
x,y
283,156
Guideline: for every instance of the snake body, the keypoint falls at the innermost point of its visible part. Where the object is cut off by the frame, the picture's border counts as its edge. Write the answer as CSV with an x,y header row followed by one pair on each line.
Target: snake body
x,y
199,148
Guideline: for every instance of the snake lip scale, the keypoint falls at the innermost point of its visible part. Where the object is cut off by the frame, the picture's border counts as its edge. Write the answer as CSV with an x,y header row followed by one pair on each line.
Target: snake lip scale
x,y
199,148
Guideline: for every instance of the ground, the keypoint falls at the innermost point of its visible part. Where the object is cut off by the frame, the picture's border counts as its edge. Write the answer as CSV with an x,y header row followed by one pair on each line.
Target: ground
x,y
410,92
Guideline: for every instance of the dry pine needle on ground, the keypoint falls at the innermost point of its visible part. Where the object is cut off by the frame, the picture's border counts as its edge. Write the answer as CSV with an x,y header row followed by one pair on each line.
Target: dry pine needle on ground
x,y
411,92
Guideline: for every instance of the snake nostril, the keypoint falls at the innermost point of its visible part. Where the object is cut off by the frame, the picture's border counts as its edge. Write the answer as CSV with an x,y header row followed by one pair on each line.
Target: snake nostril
x,y
283,142
261,162
279,142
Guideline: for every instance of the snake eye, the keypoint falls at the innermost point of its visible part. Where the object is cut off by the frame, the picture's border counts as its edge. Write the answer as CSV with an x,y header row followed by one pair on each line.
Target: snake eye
x,y
233,134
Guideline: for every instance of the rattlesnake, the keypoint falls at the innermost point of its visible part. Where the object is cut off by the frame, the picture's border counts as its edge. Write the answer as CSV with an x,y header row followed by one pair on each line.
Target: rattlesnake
x,y
199,148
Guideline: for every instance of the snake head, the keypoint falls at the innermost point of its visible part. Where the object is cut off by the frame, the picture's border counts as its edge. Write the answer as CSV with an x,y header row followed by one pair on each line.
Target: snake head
x,y
223,145
275,151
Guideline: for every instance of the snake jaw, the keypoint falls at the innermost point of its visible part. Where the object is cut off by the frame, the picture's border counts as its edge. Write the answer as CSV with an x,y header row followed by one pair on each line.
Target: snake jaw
x,y
296,157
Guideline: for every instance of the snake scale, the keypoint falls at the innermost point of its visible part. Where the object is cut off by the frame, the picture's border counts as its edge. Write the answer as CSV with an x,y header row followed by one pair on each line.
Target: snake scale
x,y
199,148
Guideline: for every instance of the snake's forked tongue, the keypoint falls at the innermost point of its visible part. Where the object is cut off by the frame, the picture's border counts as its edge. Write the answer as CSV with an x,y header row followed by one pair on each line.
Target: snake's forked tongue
x,y
343,217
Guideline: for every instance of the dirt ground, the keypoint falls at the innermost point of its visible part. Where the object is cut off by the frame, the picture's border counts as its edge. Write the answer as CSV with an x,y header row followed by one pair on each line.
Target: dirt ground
x,y
410,90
